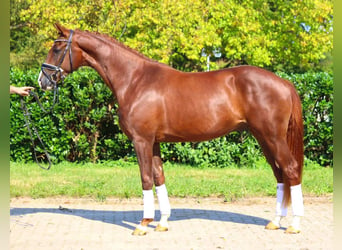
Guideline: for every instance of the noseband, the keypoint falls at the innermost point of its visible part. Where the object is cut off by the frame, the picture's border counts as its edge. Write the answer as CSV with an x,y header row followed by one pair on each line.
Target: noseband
x,y
57,69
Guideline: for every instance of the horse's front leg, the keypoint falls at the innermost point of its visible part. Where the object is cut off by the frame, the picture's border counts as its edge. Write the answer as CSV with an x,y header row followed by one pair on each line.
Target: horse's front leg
x,y
159,181
143,149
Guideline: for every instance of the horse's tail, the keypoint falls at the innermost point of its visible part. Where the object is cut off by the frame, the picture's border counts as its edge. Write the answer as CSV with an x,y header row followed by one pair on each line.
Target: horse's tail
x,y
295,134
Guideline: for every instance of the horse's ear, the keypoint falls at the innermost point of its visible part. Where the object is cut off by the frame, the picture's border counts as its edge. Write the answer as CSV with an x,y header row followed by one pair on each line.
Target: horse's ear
x,y
61,30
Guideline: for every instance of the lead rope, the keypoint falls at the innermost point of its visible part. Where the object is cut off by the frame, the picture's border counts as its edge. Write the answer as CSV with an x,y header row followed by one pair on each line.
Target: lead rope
x,y
28,123
55,100
27,115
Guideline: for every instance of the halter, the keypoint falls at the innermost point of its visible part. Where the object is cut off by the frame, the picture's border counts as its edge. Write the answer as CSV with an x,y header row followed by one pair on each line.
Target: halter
x,y
53,80
57,69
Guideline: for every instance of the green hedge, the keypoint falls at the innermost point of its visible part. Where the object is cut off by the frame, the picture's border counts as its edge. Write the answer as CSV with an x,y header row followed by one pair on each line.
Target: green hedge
x,y
84,125
316,92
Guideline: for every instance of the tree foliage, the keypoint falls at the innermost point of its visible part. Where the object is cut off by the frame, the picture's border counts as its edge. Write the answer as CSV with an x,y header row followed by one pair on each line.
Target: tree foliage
x,y
275,34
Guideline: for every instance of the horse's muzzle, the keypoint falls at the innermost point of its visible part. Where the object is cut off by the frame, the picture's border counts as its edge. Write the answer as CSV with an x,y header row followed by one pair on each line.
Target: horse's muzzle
x,y
44,83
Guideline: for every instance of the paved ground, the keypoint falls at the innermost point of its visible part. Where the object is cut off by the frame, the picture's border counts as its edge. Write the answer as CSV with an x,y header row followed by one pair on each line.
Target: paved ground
x,y
195,224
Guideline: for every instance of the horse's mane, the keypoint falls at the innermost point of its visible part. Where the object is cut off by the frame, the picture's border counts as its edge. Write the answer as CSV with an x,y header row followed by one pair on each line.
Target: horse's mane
x,y
110,39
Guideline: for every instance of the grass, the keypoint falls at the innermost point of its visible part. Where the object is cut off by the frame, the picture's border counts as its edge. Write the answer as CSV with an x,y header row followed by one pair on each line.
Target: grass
x,y
122,179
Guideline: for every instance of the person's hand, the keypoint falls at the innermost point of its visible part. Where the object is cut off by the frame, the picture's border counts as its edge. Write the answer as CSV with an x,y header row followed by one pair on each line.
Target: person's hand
x,y
23,91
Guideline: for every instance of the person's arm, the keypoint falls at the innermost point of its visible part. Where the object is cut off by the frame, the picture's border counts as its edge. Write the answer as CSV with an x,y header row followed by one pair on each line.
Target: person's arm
x,y
23,91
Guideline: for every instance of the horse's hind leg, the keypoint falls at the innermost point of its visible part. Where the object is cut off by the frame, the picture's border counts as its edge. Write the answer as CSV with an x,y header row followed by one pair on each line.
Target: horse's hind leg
x,y
291,173
285,168
159,181
281,209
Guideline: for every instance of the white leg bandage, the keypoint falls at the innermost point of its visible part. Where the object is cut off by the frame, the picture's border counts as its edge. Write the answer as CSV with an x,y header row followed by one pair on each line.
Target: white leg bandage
x,y
281,210
163,221
297,200
163,199
148,200
296,222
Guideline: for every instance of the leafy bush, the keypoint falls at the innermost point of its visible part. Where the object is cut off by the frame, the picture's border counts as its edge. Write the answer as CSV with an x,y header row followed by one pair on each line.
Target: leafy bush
x,y
84,125
235,149
316,92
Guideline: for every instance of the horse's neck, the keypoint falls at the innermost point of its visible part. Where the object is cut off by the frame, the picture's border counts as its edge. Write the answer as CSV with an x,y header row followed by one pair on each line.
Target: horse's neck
x,y
115,64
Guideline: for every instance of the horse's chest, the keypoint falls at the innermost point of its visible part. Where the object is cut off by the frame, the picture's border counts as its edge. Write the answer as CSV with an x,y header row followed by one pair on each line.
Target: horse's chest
x,y
123,122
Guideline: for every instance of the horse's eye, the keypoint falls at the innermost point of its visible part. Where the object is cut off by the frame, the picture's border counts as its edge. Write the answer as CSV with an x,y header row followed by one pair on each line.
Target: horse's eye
x,y
54,77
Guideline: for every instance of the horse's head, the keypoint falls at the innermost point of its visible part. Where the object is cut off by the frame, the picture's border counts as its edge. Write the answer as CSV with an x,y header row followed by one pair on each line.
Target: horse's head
x,y
62,59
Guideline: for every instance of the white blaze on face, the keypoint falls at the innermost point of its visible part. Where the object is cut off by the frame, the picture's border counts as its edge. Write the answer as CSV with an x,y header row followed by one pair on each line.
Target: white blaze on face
x,y
39,81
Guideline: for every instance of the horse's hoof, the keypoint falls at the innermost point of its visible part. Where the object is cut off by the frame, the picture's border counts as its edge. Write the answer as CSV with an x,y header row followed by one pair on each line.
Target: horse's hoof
x,y
160,228
292,230
271,226
139,232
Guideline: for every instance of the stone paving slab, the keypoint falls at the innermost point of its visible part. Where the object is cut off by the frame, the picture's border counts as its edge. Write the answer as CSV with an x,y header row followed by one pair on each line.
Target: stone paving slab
x,y
79,224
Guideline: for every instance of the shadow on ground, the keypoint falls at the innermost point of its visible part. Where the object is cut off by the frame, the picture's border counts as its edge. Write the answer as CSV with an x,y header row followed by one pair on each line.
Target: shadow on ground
x,y
125,218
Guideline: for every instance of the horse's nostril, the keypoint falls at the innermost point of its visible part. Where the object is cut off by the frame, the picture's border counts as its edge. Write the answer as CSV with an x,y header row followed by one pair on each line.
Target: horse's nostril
x,y
43,83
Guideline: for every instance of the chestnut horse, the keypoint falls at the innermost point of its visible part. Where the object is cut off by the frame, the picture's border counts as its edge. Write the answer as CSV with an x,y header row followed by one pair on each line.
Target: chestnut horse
x,y
160,104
